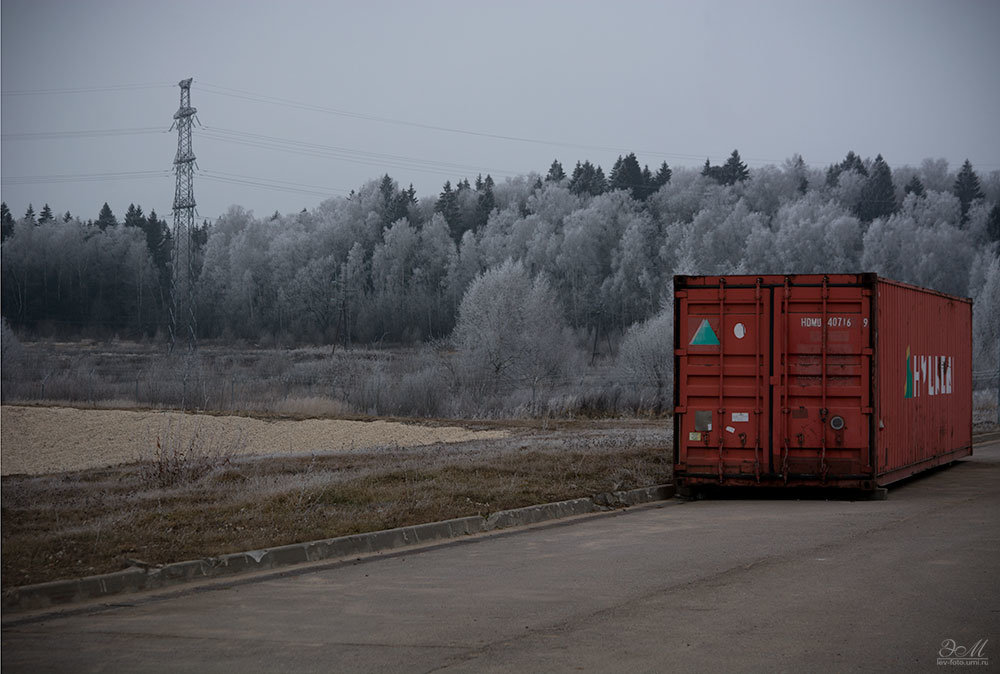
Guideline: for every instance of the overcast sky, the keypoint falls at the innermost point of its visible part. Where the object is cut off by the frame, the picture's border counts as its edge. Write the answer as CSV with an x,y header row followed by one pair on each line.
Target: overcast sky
x,y
323,96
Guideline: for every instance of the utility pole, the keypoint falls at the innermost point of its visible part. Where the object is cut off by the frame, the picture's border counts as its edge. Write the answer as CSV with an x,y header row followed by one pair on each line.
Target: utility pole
x,y
182,320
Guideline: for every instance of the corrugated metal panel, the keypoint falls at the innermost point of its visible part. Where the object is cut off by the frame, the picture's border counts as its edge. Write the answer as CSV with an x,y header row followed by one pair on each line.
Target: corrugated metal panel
x,y
924,379
805,380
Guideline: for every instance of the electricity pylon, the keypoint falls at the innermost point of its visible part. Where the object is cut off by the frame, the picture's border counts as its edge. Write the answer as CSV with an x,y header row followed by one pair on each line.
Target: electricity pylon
x,y
182,319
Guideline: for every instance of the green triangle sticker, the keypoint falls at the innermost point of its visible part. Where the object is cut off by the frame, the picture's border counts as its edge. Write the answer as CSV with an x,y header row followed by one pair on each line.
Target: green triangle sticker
x,y
705,336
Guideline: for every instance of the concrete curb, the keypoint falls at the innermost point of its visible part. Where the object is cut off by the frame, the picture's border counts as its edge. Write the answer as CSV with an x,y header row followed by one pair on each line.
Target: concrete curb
x,y
135,579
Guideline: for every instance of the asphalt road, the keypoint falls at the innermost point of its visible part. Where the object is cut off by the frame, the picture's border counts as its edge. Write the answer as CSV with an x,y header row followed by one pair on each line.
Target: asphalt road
x,y
726,585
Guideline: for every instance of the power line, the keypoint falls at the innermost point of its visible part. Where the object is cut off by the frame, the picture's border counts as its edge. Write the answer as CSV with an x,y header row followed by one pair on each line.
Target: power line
x,y
345,154
275,100
86,90
88,133
279,186
83,177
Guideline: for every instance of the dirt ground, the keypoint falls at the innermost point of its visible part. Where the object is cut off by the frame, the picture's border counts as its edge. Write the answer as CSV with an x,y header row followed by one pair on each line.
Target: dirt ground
x,y
37,440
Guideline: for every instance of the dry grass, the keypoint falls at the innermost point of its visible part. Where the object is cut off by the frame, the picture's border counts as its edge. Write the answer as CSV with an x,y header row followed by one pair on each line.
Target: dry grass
x,y
314,381
92,521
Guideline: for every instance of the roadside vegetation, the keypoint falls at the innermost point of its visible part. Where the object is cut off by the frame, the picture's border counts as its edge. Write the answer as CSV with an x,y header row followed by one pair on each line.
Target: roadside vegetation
x,y
198,500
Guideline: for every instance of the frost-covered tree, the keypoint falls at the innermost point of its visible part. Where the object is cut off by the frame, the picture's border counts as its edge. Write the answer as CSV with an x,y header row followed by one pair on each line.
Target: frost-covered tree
x,y
937,256
935,176
814,236
632,289
993,224
463,267
646,356
986,319
510,331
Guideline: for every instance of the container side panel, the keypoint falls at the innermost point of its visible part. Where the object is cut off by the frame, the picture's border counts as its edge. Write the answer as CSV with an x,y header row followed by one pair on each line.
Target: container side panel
x,y
924,385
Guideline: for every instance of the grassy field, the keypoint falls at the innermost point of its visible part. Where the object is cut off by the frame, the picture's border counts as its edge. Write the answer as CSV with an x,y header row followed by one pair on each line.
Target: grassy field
x,y
203,504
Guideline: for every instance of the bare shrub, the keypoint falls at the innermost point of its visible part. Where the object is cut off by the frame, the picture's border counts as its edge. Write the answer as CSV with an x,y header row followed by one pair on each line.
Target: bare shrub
x,y
175,459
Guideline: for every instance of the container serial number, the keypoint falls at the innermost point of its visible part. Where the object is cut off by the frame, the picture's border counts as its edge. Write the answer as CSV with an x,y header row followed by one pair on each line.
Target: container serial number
x,y
831,322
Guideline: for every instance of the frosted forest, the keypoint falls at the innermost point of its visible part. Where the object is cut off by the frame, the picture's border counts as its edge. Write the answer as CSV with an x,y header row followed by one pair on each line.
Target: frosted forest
x,y
520,282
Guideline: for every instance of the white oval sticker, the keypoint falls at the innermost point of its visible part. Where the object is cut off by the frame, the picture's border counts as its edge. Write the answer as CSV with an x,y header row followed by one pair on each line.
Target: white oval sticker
x,y
739,330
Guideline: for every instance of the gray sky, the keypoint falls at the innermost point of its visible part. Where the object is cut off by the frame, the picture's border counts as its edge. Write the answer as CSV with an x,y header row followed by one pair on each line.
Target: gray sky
x,y
674,81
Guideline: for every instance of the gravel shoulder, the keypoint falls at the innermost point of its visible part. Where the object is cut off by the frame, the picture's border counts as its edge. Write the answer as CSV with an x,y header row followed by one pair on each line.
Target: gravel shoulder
x,y
39,440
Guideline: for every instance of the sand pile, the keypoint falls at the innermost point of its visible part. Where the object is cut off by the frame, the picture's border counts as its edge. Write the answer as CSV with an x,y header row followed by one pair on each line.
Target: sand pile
x,y
38,440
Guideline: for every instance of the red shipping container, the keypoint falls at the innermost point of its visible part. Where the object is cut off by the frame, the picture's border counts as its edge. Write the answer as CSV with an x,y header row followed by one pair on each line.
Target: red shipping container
x,y
843,380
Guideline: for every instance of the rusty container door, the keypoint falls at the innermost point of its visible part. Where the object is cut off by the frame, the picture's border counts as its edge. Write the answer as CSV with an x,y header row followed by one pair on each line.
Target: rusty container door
x,y
924,397
722,358
822,407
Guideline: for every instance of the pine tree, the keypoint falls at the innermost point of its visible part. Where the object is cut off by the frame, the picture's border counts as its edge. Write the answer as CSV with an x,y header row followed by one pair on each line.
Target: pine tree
x,y
713,172
878,197
599,185
588,179
158,243
852,162
556,172
45,215
106,218
734,170
648,182
6,222
663,175
967,189
395,204
67,217
134,216
485,204
626,175
914,186
447,205
29,215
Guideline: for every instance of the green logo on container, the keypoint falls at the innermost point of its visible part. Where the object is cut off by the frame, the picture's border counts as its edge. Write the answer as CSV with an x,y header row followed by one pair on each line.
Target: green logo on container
x,y
705,336
908,389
